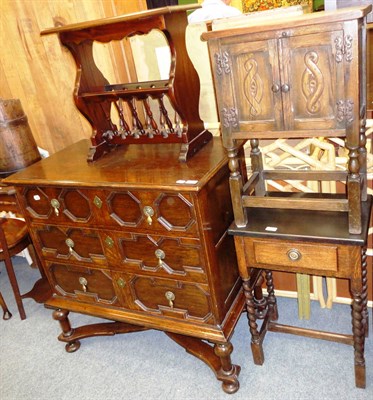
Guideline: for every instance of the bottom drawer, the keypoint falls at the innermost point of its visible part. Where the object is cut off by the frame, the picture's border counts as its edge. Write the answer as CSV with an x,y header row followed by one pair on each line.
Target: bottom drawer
x,y
167,297
81,283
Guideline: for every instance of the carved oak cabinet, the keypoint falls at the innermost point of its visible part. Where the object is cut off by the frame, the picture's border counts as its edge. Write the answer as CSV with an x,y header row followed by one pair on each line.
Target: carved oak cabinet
x,y
291,78
140,239
296,77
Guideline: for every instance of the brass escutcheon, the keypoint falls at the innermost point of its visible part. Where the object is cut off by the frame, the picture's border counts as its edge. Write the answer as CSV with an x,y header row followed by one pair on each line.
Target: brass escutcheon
x,y
109,241
121,282
170,297
97,202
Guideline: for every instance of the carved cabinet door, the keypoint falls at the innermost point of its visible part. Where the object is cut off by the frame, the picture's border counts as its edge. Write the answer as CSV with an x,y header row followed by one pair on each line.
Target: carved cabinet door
x,y
312,81
246,74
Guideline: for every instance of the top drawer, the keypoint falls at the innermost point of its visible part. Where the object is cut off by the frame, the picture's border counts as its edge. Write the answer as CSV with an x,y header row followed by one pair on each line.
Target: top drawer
x,y
153,211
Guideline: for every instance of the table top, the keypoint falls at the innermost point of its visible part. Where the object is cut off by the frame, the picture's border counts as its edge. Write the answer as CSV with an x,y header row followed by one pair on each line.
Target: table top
x,y
141,166
138,16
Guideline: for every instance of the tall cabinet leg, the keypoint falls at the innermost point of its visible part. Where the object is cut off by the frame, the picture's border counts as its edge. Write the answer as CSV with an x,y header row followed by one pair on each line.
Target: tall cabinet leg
x,y
256,342
359,338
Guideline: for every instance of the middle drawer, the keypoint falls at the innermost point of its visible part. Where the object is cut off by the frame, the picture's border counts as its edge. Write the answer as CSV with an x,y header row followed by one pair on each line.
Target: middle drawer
x,y
161,256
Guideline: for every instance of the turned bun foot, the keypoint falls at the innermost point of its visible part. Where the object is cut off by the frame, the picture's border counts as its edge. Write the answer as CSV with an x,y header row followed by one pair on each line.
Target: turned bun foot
x,y
72,347
231,388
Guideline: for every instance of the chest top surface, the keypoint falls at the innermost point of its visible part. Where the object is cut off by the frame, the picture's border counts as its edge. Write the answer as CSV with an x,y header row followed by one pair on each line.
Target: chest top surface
x,y
140,166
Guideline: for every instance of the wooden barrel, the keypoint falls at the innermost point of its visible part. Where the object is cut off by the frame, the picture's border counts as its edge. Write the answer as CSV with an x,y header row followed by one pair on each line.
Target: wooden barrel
x,y
18,148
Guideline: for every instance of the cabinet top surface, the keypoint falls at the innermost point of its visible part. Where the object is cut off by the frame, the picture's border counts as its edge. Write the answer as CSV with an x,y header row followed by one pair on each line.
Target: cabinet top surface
x,y
133,17
243,24
141,166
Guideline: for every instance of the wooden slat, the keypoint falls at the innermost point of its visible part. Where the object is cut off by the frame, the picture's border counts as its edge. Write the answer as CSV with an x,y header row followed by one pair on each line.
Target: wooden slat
x,y
305,175
315,334
325,204
249,185
247,134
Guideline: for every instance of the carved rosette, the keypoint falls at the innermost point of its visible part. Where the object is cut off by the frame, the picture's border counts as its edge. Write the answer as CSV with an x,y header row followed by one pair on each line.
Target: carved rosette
x,y
230,117
343,47
312,82
253,87
345,111
222,63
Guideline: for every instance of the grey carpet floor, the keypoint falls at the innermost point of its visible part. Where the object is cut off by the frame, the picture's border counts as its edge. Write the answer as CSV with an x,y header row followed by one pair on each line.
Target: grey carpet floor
x,y
148,365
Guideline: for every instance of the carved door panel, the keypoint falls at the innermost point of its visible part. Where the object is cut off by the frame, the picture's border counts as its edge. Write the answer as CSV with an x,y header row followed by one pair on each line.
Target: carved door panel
x,y
248,75
312,81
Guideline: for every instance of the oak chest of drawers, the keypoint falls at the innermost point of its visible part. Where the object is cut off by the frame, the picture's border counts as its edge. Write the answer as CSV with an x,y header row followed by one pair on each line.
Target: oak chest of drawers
x,y
140,239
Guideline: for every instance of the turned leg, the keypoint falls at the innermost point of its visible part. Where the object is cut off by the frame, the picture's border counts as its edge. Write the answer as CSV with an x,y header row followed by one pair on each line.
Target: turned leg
x,y
354,191
228,372
256,344
217,358
271,299
364,295
62,317
236,187
259,300
359,339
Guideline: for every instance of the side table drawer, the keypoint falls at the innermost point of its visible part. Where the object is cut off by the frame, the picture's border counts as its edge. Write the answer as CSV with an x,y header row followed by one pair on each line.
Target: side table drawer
x,y
294,254
83,284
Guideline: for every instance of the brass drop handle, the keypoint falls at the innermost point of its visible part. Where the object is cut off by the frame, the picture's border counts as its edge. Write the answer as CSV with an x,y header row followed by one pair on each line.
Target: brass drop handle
x,y
56,205
285,88
148,212
275,88
84,283
170,297
70,244
161,255
294,255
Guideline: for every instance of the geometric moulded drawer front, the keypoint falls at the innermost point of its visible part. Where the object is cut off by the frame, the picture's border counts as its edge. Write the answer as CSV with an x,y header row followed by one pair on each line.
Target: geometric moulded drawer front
x,y
182,300
175,212
85,284
166,256
59,205
153,211
74,244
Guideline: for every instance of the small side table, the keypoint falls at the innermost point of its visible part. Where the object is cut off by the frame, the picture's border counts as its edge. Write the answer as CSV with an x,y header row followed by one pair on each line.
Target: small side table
x,y
310,242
